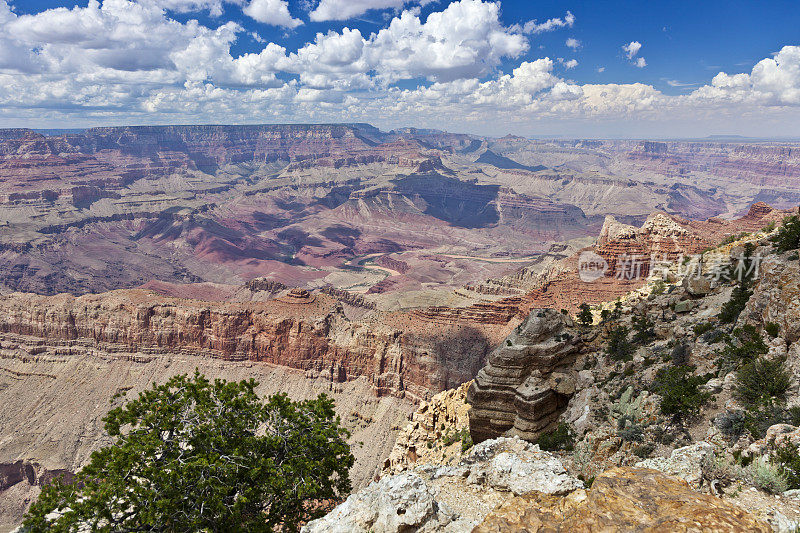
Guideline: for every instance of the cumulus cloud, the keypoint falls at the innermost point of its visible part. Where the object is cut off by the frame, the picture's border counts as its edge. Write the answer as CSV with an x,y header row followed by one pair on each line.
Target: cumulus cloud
x,y
346,9
274,12
573,43
632,49
773,81
568,64
465,40
534,27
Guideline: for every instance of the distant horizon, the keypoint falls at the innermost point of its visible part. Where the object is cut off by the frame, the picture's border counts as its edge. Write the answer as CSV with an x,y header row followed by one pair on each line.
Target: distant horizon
x,y
718,137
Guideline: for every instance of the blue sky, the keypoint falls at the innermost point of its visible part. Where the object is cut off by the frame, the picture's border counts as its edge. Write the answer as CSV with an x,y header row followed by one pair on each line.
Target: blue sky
x,y
263,61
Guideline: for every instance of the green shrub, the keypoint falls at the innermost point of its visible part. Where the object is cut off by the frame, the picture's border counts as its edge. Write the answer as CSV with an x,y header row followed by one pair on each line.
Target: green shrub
x,y
788,236
643,450
762,379
619,348
560,438
658,288
772,329
703,327
631,433
741,293
680,354
585,317
768,476
731,424
508,342
679,391
644,329
744,346
763,415
787,458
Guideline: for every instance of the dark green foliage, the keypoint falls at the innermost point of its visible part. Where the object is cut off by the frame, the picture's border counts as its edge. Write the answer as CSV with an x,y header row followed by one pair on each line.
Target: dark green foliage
x,y
788,236
605,316
762,379
788,459
731,423
680,354
703,327
585,317
772,329
508,343
764,414
560,438
644,329
741,293
643,450
679,391
631,433
564,312
619,348
714,336
745,345
192,455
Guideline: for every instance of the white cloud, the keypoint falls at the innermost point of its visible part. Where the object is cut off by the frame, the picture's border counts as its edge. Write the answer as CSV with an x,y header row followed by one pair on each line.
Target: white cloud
x,y
465,40
600,70
346,9
632,48
532,26
274,12
773,81
573,43
568,64
640,62
214,7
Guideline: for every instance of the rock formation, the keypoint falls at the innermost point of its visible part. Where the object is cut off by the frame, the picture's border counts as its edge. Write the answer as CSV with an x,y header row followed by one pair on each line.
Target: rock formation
x,y
622,499
526,383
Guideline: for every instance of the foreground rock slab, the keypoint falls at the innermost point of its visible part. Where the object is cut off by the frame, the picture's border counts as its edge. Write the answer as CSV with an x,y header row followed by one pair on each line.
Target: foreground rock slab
x,y
623,499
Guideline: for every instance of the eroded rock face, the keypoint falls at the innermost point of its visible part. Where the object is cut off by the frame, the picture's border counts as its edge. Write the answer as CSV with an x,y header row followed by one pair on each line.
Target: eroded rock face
x,y
623,499
527,381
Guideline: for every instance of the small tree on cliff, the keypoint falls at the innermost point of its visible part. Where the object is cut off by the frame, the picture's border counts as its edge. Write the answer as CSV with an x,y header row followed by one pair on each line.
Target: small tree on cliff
x,y
585,317
192,455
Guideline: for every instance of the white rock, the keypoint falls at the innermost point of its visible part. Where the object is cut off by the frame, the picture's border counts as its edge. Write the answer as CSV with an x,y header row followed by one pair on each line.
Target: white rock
x,y
685,463
392,505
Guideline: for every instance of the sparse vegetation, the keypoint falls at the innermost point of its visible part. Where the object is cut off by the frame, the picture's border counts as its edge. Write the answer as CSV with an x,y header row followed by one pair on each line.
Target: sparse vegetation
x,y
560,439
741,293
787,458
680,354
619,348
701,328
788,236
733,238
678,387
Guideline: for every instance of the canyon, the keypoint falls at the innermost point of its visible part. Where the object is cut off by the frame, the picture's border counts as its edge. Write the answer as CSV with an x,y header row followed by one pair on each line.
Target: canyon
x,y
381,268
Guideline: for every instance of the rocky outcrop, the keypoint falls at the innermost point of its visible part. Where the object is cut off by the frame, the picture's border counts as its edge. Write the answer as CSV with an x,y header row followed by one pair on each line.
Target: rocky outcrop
x,y
623,499
452,498
526,383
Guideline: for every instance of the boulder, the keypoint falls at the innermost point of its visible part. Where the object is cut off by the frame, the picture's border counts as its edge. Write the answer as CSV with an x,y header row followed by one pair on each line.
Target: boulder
x,y
622,499
684,306
517,466
685,463
392,505
697,285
